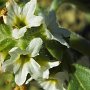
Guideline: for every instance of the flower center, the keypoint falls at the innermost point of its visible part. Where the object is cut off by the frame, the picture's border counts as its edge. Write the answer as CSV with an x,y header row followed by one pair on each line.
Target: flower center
x,y
23,59
52,81
19,22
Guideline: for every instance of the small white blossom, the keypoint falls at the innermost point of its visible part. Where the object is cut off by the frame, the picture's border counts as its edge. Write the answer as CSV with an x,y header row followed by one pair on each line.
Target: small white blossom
x,y
54,82
21,18
50,84
45,65
22,61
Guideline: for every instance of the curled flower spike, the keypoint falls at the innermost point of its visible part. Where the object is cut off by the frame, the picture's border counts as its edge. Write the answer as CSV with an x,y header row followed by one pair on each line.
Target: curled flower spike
x,y
21,18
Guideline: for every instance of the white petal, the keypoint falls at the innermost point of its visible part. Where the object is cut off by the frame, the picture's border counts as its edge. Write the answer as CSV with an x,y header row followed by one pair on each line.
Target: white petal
x,y
18,33
7,65
10,64
20,76
13,10
53,64
8,20
30,79
29,8
34,46
15,33
13,49
31,67
16,51
34,67
35,21
46,74
16,67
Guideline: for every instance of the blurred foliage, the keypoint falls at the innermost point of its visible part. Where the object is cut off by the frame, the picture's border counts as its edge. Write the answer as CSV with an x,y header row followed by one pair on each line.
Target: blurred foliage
x,y
2,3
70,17
44,3
83,5
6,81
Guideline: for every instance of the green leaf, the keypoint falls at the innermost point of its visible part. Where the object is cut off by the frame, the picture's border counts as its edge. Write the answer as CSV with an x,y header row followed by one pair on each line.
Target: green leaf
x,y
6,44
5,31
55,48
31,33
80,79
6,40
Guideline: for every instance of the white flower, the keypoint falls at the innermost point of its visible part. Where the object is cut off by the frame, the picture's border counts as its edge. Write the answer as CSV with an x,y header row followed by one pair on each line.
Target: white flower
x,y
45,65
55,82
21,18
22,61
50,84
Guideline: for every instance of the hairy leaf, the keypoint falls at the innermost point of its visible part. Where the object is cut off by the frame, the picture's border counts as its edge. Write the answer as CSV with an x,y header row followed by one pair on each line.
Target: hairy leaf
x,y
6,40
80,79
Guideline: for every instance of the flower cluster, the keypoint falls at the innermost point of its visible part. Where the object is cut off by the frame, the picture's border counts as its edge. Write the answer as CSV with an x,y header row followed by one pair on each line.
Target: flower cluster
x,y
29,60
